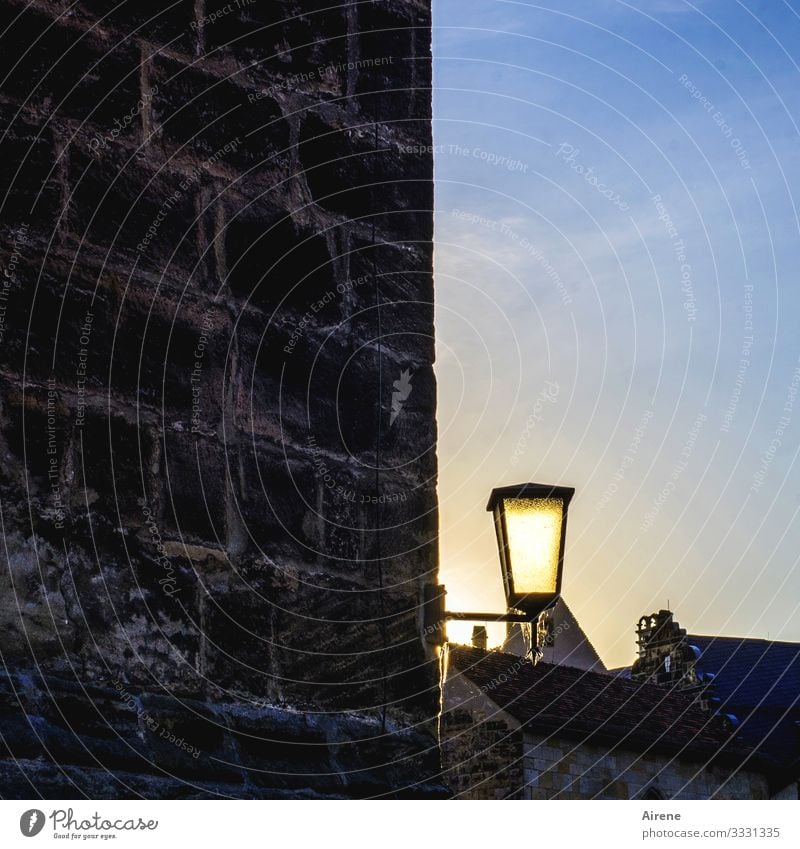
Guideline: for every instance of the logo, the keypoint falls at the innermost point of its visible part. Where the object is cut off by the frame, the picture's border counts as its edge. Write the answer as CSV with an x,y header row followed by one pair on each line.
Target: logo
x,y
402,389
31,822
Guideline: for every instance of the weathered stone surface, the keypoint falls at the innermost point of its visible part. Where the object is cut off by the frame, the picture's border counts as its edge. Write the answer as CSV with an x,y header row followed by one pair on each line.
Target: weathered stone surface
x,y
219,511
63,734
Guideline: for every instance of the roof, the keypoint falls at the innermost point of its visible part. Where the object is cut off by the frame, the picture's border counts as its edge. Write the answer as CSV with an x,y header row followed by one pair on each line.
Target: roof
x,y
596,706
571,646
758,681
751,671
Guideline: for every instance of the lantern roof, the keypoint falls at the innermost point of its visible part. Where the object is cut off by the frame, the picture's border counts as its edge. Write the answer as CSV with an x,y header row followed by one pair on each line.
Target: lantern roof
x,y
530,490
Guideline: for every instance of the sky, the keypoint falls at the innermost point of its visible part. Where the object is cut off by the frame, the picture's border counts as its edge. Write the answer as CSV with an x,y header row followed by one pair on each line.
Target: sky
x,y
617,263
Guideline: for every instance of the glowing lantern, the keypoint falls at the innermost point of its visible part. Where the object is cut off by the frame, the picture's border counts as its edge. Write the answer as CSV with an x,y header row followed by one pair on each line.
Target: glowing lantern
x,y
531,524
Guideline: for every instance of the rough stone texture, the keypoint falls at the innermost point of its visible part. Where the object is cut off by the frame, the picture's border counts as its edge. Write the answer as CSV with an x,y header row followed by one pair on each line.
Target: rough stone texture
x,y
482,756
560,768
489,754
217,489
665,656
481,745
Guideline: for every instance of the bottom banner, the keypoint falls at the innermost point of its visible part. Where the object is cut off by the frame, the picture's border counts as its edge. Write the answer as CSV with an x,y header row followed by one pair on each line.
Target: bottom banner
x,y
395,823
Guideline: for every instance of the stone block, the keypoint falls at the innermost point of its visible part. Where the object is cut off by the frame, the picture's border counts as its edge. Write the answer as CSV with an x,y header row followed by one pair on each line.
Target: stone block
x,y
280,266
387,79
114,460
211,120
342,167
67,71
288,47
133,210
274,496
33,608
32,193
149,20
195,485
288,752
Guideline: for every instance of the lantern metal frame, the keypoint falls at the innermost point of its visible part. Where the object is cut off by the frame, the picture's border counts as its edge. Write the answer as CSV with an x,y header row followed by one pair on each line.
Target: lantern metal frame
x,y
528,602
522,608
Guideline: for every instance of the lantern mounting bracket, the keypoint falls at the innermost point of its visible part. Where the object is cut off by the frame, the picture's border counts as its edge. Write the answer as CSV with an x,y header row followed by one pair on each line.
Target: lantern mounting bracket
x,y
435,615
488,617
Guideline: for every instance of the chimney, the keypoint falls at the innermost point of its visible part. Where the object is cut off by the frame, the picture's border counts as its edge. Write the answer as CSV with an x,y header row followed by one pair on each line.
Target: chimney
x,y
480,637
665,656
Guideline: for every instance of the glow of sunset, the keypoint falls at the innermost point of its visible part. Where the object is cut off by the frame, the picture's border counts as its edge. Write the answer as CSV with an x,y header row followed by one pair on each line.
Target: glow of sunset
x,y
534,541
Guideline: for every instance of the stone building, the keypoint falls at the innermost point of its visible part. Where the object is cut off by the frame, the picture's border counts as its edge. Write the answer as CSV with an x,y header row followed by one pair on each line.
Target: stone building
x,y
217,402
512,730
754,683
665,654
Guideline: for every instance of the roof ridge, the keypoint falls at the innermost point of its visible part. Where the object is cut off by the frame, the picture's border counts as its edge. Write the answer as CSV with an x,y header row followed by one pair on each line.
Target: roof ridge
x,y
727,637
579,673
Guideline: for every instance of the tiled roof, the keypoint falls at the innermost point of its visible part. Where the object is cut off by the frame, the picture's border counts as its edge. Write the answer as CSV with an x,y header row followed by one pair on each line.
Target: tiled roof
x,y
751,671
593,705
759,681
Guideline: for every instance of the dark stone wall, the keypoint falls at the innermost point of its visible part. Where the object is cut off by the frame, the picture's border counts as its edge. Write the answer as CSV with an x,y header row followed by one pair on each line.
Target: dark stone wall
x,y
217,401
482,756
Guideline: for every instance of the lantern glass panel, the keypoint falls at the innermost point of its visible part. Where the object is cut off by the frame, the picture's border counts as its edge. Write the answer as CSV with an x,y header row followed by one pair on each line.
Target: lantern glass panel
x,y
534,542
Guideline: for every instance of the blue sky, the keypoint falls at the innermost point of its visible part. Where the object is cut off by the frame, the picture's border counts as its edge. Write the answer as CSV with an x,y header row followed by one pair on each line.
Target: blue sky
x,y
618,291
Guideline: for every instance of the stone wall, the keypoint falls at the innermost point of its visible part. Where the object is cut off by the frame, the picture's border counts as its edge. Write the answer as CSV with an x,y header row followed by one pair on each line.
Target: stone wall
x,y
488,754
556,767
482,756
489,757
481,746
217,402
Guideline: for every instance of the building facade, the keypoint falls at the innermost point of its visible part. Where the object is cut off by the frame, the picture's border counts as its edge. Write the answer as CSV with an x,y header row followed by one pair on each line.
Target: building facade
x,y
512,730
754,684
